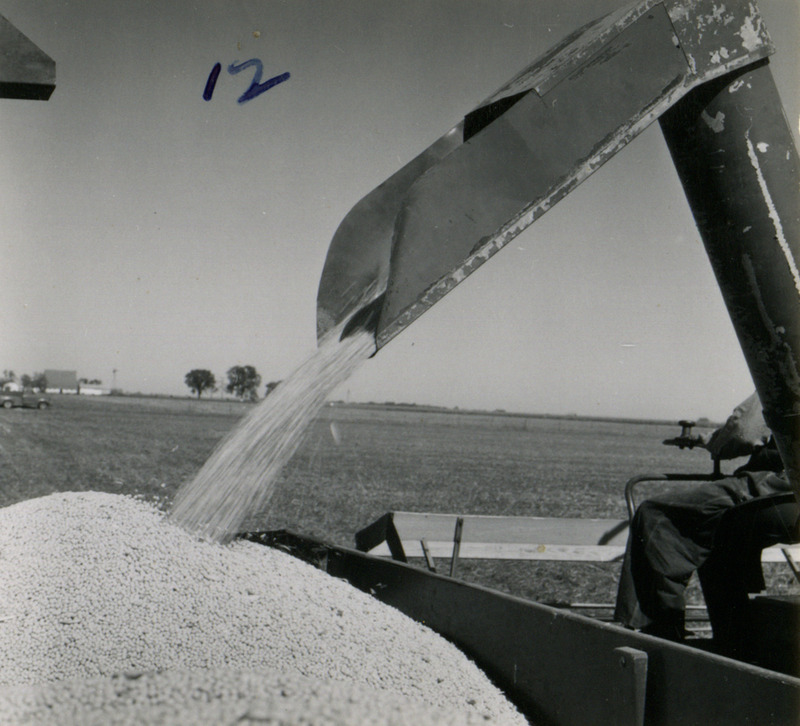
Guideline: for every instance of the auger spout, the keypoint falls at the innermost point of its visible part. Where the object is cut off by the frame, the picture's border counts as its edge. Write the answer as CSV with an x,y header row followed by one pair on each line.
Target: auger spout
x,y
437,219
423,231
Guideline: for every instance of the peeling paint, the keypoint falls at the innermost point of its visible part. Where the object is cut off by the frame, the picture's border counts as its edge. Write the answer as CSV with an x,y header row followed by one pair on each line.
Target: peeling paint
x,y
762,147
773,213
678,13
717,13
750,32
715,123
736,86
786,362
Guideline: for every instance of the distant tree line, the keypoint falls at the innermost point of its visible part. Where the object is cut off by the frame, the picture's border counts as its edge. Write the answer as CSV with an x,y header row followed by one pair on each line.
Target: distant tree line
x,y
243,382
36,382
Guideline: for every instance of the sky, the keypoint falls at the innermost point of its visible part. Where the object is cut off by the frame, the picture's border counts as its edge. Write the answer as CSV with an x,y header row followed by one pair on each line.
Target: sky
x,y
147,231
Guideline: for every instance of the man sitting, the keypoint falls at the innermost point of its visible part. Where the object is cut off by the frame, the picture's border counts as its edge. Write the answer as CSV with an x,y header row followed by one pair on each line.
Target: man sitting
x,y
672,536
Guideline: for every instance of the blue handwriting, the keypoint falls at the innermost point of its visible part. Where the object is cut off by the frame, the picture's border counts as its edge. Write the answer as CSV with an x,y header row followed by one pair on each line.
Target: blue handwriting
x,y
257,86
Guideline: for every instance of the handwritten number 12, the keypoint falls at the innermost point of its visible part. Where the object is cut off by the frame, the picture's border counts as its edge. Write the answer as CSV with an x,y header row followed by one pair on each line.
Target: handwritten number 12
x,y
256,88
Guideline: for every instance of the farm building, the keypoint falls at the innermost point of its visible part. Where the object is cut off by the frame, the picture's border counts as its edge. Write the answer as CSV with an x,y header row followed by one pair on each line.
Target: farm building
x,y
92,389
61,381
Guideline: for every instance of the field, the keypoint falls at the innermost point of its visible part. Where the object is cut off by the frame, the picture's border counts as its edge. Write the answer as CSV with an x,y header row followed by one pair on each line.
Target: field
x,y
357,463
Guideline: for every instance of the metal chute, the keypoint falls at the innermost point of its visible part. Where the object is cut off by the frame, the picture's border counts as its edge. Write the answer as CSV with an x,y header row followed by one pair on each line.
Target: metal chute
x,y
423,230
700,65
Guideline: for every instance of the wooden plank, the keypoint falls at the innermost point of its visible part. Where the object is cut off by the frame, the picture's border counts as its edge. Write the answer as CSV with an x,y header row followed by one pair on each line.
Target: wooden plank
x,y
394,543
786,552
509,551
775,553
515,551
519,538
374,534
522,530
457,533
428,556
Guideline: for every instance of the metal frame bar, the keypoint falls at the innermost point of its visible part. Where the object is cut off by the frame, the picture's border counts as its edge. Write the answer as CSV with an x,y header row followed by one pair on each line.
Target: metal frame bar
x,y
736,158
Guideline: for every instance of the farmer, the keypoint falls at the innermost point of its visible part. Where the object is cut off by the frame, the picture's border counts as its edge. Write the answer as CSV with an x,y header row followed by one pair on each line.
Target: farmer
x,y
672,536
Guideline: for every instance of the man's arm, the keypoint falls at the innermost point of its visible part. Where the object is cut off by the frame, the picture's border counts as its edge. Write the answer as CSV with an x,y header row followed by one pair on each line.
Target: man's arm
x,y
743,432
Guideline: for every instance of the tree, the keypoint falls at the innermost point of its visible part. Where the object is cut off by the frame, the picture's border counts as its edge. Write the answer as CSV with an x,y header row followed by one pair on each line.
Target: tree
x,y
243,381
26,380
199,380
39,382
7,377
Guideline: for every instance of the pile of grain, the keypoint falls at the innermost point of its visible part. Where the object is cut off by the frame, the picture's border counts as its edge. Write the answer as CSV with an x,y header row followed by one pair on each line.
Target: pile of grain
x,y
211,698
98,584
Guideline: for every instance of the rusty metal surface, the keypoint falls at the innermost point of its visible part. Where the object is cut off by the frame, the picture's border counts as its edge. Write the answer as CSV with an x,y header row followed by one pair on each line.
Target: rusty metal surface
x,y
736,158
26,72
615,75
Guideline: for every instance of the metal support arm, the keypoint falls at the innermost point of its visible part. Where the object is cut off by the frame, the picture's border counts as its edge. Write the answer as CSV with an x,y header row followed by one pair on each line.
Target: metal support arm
x,y
737,160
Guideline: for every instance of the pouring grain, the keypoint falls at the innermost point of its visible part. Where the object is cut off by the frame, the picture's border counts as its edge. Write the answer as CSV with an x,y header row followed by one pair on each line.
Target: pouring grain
x,y
239,477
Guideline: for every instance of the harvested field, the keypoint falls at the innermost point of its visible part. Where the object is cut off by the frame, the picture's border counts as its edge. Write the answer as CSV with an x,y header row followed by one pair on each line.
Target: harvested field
x,y
379,459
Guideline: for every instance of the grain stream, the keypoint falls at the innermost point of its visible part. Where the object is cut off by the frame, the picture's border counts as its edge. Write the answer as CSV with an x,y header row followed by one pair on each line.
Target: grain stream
x,y
240,475
96,585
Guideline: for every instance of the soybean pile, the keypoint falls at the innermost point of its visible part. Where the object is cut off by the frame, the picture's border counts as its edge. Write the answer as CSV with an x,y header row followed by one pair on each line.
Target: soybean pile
x,y
221,696
97,586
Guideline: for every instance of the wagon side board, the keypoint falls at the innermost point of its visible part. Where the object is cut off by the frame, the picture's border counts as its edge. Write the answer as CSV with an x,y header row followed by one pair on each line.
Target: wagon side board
x,y
563,668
